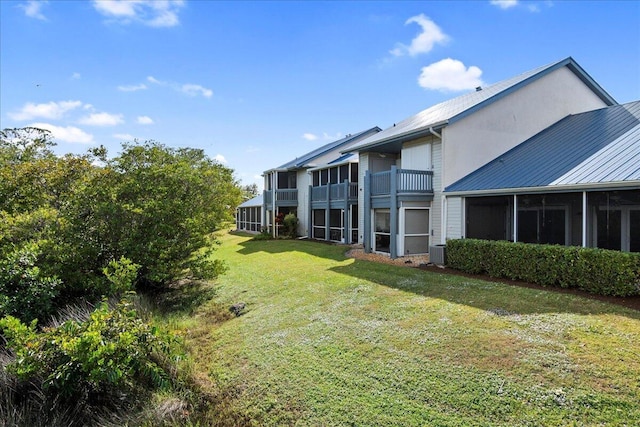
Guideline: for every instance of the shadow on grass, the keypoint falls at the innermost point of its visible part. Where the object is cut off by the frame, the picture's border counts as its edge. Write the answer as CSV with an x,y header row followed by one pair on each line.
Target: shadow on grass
x,y
184,297
495,296
328,250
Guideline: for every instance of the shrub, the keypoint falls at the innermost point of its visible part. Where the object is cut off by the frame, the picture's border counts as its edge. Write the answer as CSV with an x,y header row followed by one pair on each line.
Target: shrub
x,y
112,354
290,226
25,292
598,271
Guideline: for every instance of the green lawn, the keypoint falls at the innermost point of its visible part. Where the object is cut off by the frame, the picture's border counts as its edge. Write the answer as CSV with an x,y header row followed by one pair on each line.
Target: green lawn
x,y
331,341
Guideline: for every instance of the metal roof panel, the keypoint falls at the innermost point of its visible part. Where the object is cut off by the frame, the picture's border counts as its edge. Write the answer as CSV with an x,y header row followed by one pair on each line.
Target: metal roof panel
x,y
597,146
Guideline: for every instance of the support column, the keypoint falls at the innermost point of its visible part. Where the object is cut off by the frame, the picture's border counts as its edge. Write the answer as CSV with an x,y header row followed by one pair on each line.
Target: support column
x,y
584,219
327,214
393,215
366,233
515,217
345,213
310,214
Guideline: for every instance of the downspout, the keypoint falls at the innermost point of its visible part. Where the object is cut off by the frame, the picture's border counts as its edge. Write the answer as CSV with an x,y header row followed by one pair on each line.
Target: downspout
x,y
434,133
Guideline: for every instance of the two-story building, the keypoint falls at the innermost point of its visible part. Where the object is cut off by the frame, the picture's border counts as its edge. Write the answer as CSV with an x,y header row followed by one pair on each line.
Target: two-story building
x,y
406,168
317,187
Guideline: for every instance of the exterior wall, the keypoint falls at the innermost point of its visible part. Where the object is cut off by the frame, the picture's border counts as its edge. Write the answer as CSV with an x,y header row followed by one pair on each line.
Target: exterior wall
x,y
363,167
489,132
303,182
454,218
416,155
436,211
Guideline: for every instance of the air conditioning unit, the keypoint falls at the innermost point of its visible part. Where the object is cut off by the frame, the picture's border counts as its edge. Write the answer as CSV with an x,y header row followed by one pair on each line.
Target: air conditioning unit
x,y
438,254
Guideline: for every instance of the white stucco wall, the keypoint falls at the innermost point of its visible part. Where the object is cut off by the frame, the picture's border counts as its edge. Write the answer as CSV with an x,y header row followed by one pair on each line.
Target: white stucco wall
x,y
363,167
491,131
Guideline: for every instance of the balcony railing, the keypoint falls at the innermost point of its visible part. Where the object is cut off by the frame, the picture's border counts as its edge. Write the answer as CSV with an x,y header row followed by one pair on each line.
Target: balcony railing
x,y
337,192
407,182
284,195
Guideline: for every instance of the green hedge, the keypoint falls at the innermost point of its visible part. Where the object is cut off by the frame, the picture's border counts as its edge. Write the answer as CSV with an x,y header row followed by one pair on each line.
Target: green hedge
x,y
598,271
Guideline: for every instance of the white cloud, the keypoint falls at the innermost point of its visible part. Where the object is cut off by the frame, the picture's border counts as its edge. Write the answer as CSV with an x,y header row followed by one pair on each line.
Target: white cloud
x,y
186,88
50,110
102,119
194,90
144,120
66,134
152,13
504,4
423,43
450,75
124,136
152,79
331,138
76,76
310,136
220,158
33,9
132,88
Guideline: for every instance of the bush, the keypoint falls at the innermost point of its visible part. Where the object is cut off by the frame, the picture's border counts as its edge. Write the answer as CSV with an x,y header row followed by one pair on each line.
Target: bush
x,y
25,292
598,271
290,226
113,352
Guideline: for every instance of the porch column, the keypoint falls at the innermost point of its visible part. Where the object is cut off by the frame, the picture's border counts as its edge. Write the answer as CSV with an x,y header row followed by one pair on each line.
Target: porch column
x,y
263,214
327,214
345,213
584,219
393,215
310,214
274,204
515,217
366,233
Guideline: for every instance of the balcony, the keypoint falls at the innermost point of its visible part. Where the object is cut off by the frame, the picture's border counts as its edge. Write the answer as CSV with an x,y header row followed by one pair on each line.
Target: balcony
x,y
402,182
284,197
334,193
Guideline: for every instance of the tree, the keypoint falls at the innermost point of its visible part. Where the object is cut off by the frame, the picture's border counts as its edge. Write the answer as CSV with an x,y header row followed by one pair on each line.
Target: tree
x,y
249,191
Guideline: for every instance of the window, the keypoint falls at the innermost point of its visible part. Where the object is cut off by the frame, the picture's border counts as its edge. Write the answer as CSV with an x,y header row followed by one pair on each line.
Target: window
x,y
333,175
336,225
354,172
324,177
416,230
382,230
344,173
318,225
546,225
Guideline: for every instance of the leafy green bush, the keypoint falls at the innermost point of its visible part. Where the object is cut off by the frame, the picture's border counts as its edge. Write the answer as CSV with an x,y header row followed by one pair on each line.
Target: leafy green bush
x,y
112,353
598,271
290,226
25,292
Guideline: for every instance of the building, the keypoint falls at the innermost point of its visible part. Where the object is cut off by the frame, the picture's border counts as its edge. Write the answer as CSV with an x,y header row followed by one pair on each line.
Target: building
x,y
413,173
309,186
249,215
575,183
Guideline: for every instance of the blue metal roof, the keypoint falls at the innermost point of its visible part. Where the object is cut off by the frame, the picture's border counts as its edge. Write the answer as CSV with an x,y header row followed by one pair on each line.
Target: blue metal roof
x,y
252,203
305,160
448,112
596,147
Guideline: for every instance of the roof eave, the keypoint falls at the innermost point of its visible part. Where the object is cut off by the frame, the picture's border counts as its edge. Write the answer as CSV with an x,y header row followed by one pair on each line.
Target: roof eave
x,y
591,186
402,138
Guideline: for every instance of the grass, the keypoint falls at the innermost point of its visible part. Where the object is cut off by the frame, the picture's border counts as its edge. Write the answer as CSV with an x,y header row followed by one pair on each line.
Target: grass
x,y
331,341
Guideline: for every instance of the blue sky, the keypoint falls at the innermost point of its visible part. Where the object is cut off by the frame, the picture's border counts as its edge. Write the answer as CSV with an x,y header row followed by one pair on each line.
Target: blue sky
x,y
256,84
